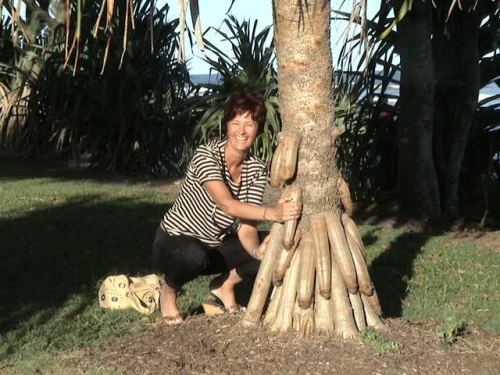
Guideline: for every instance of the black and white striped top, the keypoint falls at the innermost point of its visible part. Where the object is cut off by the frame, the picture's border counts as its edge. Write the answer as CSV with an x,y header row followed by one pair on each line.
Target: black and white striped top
x,y
194,213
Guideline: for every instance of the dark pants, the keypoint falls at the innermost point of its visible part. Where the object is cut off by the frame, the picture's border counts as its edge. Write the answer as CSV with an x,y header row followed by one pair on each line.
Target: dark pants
x,y
183,258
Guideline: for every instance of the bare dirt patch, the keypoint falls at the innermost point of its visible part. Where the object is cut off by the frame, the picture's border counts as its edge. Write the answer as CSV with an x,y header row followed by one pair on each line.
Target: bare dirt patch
x,y
489,239
221,345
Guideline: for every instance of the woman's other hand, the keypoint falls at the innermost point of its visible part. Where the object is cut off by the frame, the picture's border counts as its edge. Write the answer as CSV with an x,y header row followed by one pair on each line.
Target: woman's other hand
x,y
261,249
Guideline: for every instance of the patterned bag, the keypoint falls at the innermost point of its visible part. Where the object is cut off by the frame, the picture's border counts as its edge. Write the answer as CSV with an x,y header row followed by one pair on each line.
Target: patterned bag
x,y
139,293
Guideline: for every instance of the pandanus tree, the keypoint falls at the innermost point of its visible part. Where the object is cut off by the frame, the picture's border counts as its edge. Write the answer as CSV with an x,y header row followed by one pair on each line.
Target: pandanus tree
x,y
445,51
317,265
102,86
440,50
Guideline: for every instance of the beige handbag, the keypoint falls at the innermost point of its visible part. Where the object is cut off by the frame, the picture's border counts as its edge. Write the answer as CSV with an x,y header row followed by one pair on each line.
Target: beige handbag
x,y
119,292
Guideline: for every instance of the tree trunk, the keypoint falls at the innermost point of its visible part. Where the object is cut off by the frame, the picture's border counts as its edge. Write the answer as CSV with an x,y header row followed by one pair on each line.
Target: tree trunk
x,y
305,75
418,185
456,53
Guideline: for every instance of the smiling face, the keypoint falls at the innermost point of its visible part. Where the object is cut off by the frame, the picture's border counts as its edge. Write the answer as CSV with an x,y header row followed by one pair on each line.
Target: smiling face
x,y
242,131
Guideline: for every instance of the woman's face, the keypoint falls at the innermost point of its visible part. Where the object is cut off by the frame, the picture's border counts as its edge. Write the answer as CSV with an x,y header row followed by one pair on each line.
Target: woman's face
x,y
242,131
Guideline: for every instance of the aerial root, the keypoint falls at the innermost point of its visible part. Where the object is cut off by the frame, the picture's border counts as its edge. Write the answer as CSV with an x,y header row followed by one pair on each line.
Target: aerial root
x,y
300,299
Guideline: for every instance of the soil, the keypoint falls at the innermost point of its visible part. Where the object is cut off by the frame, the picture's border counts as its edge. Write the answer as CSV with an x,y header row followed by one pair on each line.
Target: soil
x,y
489,239
221,345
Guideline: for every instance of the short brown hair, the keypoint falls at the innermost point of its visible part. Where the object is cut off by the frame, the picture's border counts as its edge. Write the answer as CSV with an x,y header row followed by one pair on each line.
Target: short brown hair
x,y
242,103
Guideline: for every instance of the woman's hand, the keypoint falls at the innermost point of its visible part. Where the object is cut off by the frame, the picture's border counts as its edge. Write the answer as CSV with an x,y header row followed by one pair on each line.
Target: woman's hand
x,y
286,209
258,252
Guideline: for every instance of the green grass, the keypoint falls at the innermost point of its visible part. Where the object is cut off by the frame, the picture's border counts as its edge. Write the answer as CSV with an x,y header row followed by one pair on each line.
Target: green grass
x,y
451,329
61,237
422,277
379,342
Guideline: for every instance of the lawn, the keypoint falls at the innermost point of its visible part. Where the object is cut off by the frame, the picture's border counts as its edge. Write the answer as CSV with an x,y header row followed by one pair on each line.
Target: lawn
x,y
60,236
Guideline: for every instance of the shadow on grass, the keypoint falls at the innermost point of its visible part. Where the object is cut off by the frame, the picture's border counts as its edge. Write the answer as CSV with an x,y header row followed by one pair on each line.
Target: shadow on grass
x,y
13,167
53,254
392,270
370,238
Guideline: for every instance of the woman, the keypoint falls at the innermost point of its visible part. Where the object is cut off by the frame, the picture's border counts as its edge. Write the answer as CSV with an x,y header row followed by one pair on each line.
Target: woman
x,y
211,227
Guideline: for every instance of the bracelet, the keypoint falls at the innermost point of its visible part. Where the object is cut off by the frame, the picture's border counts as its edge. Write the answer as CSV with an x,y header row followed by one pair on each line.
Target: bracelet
x,y
264,216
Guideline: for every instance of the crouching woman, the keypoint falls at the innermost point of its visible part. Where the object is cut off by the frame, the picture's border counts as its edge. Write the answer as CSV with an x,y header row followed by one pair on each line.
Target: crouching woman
x,y
211,227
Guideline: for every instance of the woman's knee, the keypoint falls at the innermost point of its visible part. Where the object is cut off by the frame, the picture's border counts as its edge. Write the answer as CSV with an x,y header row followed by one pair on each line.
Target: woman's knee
x,y
180,258
192,258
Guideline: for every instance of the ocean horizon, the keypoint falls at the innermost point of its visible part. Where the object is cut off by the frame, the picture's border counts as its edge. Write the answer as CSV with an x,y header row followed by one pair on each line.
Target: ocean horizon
x,y
486,92
199,79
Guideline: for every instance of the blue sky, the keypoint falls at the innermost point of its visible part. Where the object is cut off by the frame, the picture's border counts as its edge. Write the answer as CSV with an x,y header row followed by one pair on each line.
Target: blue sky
x,y
213,13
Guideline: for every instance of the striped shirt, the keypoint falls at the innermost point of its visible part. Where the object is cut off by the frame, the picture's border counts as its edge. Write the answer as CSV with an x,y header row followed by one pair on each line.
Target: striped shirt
x,y
194,213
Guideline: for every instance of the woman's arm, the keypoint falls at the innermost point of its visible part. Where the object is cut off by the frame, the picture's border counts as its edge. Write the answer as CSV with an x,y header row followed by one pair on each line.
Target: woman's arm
x,y
285,210
249,238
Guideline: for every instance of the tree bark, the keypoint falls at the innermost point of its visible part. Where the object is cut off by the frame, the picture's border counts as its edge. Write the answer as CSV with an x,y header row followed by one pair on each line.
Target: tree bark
x,y
305,74
418,185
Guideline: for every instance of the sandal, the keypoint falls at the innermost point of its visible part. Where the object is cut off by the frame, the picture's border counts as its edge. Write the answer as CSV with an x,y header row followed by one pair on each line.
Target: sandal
x,y
172,320
235,309
217,308
213,308
213,304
